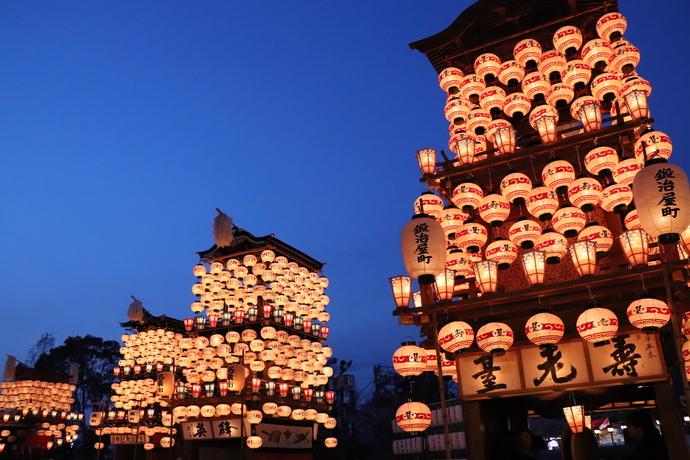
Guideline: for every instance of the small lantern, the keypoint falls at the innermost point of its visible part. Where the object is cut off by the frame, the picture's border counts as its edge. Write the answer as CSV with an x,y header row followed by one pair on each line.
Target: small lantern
x,y
584,256
427,161
492,99
585,193
597,325
606,86
625,57
602,236
517,105
424,248
494,209
445,283
545,120
524,233
471,236
487,66
254,441
478,120
413,417
635,92
471,86
662,198
460,262
527,52
456,111
559,95
511,73
616,197
450,79
502,135
515,187
576,74
330,442
588,110
270,389
558,174
495,338
534,264
567,40
596,53
428,203
456,337
542,202
575,416
649,314
467,195
544,329
486,275
200,322
535,84
330,397
625,171
601,160
551,62
635,245
553,244
451,219
463,145
188,324
408,360
611,26
503,252
653,145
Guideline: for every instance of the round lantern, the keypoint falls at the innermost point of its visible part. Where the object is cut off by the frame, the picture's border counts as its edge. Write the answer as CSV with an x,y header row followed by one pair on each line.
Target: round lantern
x,y
511,73
413,417
625,171
456,337
611,26
597,325
625,57
569,221
460,262
423,248
517,105
558,174
544,329
428,203
478,120
524,233
585,193
545,120
635,91
653,145
467,195
487,66
330,442
502,134
471,86
601,160
535,85
649,314
567,40
587,109
576,74
551,62
456,111
471,237
451,219
516,187
635,244
662,198
606,86
450,79
494,209
616,197
408,360
542,202
559,95
601,235
492,99
464,146
553,244
503,252
254,442
596,53
527,52
495,338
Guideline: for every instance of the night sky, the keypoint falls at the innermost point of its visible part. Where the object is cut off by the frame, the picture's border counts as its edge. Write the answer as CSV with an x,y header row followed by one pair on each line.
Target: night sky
x,y
124,124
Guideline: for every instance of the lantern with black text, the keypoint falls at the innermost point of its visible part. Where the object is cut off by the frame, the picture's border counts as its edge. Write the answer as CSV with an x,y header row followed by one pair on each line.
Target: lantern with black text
x,y
662,198
502,135
487,66
450,79
423,248
427,160
515,187
542,202
545,120
511,73
471,237
445,283
254,441
588,110
492,99
553,244
486,275
625,57
649,314
534,264
559,95
615,197
413,417
635,245
611,26
495,338
535,85
544,328
428,203
408,360
451,219
467,195
402,289
635,92
567,40
558,175
575,416
478,120
625,171
494,209
602,236
527,52
653,145
517,105
584,257
597,325
576,74
551,64
524,233
585,193
460,262
503,252
456,111
596,53
456,337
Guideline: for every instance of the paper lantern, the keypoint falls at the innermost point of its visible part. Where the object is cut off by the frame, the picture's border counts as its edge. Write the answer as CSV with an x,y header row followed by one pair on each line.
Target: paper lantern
x,y
567,40
456,111
606,86
451,219
535,84
478,120
516,187
625,57
166,384
524,233
601,160
534,265
236,377
542,202
635,244
653,145
544,329
460,262
471,86
495,338
408,360
511,73
330,442
450,79
601,236
596,53
584,257
456,337
553,244
517,105
585,193
427,162
649,314
494,209
662,198
464,146
634,92
559,95
575,416
597,325
625,171
492,99
611,26
402,288
576,74
527,52
558,174
423,248
545,120
503,252
487,66
616,197
551,62
413,417
502,135
467,194
486,275
587,109
471,237
445,283
254,442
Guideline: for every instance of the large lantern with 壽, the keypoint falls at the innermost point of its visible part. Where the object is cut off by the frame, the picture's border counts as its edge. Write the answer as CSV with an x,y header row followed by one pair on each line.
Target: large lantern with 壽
x,y
545,120
662,198
494,209
569,221
649,314
524,233
653,145
408,360
515,187
428,203
558,175
553,244
456,337
413,417
467,195
542,202
597,325
450,79
601,160
495,338
423,248
544,329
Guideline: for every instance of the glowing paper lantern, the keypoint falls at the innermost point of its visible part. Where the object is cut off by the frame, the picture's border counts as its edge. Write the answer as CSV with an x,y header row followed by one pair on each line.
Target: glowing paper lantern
x,y
553,244
445,283
542,202
616,197
428,203
653,145
585,193
559,95
527,52
575,416
460,262
467,194
456,111
551,62
625,171
495,338
487,66
423,248
413,417
456,336
478,120
408,360
516,187
464,146
584,257
611,26
402,288
601,160
492,99
635,91
450,79
567,40
558,174
588,110
471,86
544,328
502,135
524,233
494,209
597,325
649,314
635,244
625,57
486,275
427,163
451,219
503,252
596,53
545,120
535,84
330,442
254,442
601,236
471,237
606,86
511,73
534,265
517,105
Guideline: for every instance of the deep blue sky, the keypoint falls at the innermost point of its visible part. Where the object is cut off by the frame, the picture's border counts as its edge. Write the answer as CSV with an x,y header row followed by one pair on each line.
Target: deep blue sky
x,y
124,124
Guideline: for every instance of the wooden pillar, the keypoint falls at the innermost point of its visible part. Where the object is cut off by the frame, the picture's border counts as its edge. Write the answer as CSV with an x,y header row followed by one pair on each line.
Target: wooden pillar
x,y
671,419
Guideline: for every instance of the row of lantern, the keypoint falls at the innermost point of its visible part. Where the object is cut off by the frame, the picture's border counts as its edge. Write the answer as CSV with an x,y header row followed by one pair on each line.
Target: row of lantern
x,y
278,315
36,395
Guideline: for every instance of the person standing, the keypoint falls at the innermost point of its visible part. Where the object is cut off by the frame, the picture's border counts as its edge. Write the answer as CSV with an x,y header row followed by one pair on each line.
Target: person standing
x,y
650,444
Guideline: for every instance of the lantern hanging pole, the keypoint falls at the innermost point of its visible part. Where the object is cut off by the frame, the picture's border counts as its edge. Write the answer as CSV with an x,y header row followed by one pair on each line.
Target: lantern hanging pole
x,y
441,387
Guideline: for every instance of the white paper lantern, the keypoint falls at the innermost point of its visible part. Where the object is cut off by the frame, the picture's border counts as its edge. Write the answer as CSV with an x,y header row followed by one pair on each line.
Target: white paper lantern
x,y
596,53
559,95
408,360
601,159
544,328
611,25
616,197
601,235
597,325
456,111
456,336
554,245
517,105
625,171
625,57
468,195
460,262
471,86
527,51
487,65
511,73
503,252
557,174
471,237
653,145
569,221
450,79
524,233
428,203
254,442
492,99
495,338
542,202
649,314
535,84
423,248
551,61
413,417
544,119
567,39
585,193
516,186
478,120
494,209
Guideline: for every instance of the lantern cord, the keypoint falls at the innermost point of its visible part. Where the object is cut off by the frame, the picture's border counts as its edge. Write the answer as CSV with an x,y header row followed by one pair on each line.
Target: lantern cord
x,y
491,184
620,145
534,173
595,141
491,309
591,297
552,154
577,151
539,299
642,279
